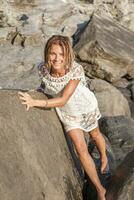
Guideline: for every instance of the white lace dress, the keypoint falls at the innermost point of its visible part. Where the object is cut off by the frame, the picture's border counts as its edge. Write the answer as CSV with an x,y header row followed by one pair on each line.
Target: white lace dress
x,y
81,111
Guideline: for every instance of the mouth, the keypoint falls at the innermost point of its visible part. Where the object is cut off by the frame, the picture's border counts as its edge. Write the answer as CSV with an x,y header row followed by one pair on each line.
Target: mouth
x,y
57,63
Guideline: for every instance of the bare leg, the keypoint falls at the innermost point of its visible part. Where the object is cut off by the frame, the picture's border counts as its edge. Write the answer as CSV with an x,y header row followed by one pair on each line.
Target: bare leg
x,y
78,139
101,146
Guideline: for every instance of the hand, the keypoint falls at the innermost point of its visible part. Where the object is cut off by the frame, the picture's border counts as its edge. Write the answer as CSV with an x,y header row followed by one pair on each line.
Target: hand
x,y
26,100
104,164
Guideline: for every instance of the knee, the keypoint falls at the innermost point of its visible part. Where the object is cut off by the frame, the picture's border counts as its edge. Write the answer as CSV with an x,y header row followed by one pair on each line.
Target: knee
x,y
81,149
95,134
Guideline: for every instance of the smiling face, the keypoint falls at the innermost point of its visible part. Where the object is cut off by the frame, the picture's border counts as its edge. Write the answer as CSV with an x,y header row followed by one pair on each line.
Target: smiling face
x,y
58,53
56,57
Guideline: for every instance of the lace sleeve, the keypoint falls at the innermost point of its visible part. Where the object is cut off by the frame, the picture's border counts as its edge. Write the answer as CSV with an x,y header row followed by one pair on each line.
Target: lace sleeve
x,y
77,72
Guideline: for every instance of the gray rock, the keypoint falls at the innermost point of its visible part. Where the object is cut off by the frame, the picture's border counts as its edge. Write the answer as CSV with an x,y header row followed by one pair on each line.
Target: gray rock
x,y
111,101
102,44
34,159
120,132
122,183
128,95
122,11
44,19
18,67
132,91
122,83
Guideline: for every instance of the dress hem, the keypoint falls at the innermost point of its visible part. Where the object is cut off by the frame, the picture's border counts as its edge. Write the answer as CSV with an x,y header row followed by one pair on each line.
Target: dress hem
x,y
79,127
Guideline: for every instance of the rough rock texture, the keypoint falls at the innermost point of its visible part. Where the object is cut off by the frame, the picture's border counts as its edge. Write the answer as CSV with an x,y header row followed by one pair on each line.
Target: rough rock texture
x,y
120,132
36,20
18,67
127,93
109,47
120,10
121,186
34,159
111,101
25,27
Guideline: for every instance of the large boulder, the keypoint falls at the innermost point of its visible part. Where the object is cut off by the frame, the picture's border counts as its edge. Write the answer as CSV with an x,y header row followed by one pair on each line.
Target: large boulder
x,y
18,67
121,186
120,132
34,159
108,46
127,93
111,101
122,11
37,20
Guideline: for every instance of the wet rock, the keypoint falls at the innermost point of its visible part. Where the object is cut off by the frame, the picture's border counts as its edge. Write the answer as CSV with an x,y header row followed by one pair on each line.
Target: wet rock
x,y
102,44
34,153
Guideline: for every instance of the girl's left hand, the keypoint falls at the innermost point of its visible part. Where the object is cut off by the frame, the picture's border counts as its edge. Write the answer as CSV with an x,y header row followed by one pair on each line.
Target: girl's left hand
x,y
26,100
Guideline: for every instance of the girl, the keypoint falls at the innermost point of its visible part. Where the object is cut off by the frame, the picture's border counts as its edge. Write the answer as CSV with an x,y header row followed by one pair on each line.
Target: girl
x,y
76,105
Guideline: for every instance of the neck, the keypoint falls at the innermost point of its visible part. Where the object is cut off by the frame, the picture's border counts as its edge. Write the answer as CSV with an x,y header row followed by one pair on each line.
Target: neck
x,y
58,73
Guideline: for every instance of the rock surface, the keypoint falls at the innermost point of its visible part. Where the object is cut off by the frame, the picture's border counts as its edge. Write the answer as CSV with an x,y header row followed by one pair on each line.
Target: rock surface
x,y
109,47
120,10
121,185
18,67
34,159
111,101
120,132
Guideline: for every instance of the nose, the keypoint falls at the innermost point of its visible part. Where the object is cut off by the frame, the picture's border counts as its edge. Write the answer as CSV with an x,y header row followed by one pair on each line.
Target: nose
x,y
56,57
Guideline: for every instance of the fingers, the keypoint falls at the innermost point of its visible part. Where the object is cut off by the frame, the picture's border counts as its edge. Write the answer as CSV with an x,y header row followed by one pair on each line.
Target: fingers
x,y
23,96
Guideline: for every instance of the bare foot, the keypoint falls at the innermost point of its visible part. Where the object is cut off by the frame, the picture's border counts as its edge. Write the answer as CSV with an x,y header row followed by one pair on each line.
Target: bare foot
x,y
104,163
101,194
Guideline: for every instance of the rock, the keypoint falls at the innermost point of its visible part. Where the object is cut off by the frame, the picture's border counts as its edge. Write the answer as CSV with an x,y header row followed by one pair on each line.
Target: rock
x,y
102,44
18,67
3,19
35,161
111,101
128,95
122,83
121,185
122,11
45,17
89,191
132,91
120,132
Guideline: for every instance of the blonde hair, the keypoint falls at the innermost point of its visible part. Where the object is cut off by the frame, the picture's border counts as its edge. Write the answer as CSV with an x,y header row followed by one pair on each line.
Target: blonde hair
x,y
65,44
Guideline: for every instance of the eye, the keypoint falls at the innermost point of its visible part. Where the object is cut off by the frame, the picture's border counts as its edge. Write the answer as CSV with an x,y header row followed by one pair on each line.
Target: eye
x,y
52,53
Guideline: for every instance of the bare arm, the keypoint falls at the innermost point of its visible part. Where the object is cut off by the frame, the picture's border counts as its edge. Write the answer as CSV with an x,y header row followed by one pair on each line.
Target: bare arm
x,y
54,102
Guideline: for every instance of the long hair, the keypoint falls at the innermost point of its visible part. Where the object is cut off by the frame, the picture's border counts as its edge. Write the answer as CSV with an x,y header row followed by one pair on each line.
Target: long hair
x,y
65,44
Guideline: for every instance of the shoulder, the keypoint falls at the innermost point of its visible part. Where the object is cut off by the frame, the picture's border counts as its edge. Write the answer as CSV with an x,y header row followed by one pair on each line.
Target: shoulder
x,y
77,70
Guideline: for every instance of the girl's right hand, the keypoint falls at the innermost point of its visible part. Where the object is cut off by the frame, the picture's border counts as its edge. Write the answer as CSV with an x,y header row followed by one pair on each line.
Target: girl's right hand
x,y
26,100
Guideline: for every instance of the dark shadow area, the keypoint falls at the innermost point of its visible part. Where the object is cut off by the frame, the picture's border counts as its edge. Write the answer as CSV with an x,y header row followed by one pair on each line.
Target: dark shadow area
x,y
80,29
